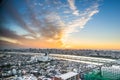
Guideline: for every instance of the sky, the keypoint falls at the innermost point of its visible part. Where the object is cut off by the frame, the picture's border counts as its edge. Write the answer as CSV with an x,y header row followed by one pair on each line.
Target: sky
x,y
71,24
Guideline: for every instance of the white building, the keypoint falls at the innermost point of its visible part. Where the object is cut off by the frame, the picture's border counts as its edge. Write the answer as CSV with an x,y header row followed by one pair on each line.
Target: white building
x,y
43,58
68,76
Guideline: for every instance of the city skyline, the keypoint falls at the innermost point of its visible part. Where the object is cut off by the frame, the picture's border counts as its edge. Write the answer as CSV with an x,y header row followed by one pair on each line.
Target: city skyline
x,y
74,24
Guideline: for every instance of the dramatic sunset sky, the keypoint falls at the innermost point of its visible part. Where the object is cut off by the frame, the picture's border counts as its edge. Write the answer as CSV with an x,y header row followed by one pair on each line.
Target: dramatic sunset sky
x,y
75,24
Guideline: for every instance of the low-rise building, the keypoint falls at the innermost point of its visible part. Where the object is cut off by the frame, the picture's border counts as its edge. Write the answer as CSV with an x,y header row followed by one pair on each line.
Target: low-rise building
x,y
68,76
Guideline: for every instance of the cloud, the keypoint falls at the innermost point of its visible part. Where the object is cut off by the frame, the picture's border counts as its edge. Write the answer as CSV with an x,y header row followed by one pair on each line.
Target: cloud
x,y
29,37
9,36
80,22
84,17
53,28
52,24
10,40
5,32
13,12
6,44
73,7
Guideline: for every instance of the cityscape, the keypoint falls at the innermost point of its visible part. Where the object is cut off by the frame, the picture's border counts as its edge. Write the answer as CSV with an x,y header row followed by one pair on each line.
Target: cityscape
x,y
57,64
59,40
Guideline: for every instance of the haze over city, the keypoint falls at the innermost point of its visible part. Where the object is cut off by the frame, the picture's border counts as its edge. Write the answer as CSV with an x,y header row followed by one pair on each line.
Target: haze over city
x,y
72,24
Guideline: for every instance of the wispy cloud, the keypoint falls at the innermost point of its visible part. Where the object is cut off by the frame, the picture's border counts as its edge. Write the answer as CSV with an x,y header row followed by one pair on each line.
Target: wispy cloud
x,y
6,44
73,7
10,40
47,21
10,36
84,17
80,22
5,32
